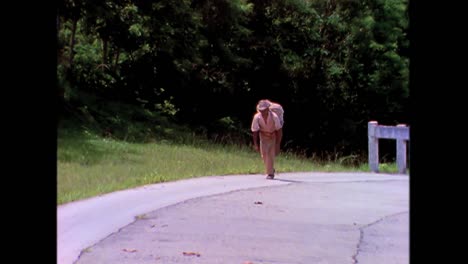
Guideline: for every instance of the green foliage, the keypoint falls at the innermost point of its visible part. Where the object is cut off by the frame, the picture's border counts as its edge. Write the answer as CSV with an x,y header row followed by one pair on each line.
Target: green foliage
x,y
340,62
167,108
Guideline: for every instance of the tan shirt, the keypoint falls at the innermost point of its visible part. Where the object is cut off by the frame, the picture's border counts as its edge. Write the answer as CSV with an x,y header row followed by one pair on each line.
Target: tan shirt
x,y
266,128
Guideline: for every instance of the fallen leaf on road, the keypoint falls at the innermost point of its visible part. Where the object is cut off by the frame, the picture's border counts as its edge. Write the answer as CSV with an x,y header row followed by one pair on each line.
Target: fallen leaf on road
x,y
258,202
130,250
191,254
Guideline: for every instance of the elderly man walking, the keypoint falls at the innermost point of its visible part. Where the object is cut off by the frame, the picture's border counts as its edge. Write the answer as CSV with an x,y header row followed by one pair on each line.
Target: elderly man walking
x,y
267,126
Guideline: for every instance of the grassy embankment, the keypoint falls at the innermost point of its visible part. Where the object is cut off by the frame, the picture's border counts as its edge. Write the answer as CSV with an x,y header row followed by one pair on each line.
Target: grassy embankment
x,y
89,164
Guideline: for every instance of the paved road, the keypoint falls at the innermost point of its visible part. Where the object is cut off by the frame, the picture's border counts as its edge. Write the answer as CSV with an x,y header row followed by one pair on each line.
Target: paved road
x,y
296,218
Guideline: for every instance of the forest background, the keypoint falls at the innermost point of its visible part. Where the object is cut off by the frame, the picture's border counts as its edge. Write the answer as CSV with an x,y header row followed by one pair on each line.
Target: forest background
x,y
141,70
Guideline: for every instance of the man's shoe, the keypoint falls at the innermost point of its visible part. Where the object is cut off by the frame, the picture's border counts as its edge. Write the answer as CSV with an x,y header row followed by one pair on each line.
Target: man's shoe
x,y
270,176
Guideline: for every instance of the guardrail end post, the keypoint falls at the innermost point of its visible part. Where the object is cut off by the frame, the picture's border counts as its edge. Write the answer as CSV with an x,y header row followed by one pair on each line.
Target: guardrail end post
x,y
373,147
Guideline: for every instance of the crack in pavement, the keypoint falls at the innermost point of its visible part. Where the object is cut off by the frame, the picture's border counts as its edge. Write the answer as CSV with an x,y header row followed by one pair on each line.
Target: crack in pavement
x,y
361,234
155,192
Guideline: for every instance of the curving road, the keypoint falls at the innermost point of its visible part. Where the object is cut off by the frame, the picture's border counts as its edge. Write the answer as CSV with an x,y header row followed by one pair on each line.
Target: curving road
x,y
297,218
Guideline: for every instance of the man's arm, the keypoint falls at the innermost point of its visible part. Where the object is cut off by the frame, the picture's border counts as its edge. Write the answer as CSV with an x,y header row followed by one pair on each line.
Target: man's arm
x,y
279,137
255,140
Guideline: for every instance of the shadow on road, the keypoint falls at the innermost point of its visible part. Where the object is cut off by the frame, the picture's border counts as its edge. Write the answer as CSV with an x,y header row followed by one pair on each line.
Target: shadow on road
x,y
283,180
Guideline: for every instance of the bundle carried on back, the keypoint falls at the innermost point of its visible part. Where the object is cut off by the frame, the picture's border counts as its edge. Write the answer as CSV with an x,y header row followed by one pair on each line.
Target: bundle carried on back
x,y
278,110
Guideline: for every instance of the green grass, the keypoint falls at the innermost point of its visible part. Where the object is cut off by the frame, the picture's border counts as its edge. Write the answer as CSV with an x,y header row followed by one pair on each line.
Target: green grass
x,y
89,165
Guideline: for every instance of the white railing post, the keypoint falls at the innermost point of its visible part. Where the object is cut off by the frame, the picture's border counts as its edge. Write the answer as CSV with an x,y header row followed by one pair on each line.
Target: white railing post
x,y
400,133
401,153
373,146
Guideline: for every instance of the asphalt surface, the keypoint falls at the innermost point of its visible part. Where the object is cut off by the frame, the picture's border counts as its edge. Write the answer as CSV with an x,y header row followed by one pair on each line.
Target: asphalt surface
x,y
297,218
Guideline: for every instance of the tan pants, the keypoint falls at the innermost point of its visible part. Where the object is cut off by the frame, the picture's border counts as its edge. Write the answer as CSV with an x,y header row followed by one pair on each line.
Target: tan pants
x,y
267,150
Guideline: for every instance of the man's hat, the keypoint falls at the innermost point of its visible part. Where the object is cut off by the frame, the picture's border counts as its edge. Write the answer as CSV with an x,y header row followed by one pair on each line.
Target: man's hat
x,y
263,104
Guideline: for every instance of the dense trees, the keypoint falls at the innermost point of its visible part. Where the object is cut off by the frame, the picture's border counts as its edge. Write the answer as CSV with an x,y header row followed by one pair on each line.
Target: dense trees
x,y
333,64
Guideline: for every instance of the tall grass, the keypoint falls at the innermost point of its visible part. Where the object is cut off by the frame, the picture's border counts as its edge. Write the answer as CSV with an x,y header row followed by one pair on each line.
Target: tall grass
x,y
89,165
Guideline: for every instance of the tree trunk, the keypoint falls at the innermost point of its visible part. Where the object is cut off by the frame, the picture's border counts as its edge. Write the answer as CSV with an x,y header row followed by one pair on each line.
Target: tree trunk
x,y
58,23
116,59
72,42
104,51
59,49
